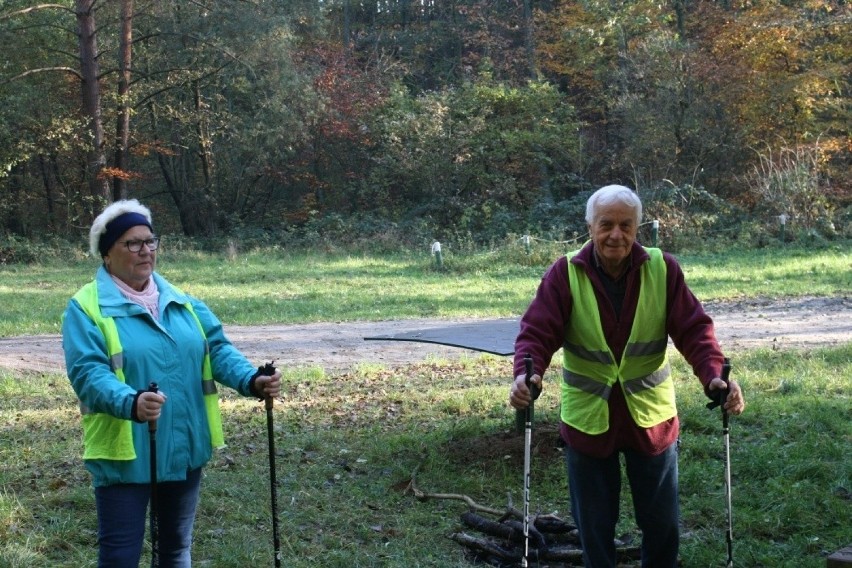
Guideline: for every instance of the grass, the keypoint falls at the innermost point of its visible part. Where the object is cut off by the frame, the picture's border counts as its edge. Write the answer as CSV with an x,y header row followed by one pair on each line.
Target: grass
x,y
348,444
273,286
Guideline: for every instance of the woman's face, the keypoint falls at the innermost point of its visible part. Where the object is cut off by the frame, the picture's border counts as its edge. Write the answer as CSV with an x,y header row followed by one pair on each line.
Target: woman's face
x,y
132,268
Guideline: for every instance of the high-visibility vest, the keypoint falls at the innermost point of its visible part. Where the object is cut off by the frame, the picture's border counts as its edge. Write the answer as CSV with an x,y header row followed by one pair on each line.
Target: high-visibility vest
x,y
109,437
589,369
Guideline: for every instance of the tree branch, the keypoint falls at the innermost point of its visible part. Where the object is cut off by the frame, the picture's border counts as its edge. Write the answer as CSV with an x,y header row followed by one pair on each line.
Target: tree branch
x,y
45,69
474,506
32,8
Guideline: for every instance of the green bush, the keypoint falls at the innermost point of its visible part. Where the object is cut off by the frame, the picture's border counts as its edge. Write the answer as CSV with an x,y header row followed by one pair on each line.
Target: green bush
x,y
20,250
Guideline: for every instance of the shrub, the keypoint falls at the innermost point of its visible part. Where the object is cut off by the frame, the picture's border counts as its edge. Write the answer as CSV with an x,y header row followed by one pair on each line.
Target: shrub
x,y
20,250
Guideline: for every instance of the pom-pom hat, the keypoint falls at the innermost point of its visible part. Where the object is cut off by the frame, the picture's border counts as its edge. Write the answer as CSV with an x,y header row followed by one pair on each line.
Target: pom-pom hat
x,y
115,220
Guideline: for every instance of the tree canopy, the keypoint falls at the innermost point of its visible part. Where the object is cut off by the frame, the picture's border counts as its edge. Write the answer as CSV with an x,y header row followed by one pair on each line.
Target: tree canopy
x,y
425,119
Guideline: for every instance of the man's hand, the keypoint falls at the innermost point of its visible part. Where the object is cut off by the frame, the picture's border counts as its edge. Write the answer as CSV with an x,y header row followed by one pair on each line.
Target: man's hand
x,y
735,402
520,395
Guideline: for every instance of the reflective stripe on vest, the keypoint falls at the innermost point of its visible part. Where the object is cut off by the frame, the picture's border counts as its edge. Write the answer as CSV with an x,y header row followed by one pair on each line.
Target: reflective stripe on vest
x,y
589,367
208,388
109,437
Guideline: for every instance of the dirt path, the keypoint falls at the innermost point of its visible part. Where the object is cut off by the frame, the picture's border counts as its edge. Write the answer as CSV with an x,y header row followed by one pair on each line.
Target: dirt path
x,y
782,324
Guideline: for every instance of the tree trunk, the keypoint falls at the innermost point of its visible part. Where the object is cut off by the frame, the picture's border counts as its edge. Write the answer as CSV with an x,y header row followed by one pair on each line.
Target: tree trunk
x,y
347,24
529,45
681,19
90,90
14,221
122,129
205,152
47,216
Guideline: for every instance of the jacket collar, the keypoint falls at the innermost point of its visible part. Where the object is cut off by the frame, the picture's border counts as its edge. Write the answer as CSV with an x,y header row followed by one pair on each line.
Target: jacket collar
x,y
111,298
586,256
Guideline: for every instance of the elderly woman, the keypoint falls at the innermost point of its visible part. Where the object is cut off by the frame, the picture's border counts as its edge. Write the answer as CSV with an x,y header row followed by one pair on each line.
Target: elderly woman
x,y
127,328
612,306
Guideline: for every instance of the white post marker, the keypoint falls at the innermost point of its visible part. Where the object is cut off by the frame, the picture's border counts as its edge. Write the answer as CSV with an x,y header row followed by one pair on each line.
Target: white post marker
x,y
436,252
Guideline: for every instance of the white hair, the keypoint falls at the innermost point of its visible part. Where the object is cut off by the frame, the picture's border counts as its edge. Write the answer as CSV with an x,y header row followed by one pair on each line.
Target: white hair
x,y
609,195
114,210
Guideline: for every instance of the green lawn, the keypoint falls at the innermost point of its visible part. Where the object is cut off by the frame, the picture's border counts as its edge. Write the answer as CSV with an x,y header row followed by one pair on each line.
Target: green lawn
x,y
276,287
348,444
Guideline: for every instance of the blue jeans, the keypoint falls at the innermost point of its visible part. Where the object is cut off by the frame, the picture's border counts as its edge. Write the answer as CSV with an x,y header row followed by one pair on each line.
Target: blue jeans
x,y
121,521
595,485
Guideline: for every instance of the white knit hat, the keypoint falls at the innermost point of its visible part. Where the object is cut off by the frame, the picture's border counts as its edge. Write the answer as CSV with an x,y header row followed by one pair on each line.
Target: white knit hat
x,y
114,221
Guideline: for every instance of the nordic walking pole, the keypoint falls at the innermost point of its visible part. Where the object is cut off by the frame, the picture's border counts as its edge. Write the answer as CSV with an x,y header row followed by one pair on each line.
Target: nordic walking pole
x,y
726,433
269,370
528,419
155,512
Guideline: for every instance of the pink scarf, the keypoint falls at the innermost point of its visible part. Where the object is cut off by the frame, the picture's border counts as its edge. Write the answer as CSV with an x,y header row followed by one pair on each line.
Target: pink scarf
x,y
148,298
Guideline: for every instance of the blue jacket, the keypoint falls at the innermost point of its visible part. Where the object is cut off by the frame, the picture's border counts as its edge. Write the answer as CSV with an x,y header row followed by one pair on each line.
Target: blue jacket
x,y
169,352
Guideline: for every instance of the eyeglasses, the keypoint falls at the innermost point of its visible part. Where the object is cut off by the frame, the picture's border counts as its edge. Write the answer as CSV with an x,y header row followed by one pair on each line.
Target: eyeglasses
x,y
136,245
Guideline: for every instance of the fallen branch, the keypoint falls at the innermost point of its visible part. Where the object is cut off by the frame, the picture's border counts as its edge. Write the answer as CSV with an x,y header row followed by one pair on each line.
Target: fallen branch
x,y
473,505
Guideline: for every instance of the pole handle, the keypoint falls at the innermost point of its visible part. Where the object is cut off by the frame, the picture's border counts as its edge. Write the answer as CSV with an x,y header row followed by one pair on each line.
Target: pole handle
x,y
268,370
521,415
152,424
720,395
535,391
726,371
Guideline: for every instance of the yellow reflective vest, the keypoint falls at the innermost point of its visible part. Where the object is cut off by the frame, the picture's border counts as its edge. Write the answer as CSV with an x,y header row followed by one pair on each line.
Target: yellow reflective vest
x,y
109,437
589,369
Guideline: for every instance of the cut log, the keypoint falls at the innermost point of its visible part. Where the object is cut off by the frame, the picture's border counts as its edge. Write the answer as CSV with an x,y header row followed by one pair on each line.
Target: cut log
x,y
841,559
553,524
487,547
492,528
568,554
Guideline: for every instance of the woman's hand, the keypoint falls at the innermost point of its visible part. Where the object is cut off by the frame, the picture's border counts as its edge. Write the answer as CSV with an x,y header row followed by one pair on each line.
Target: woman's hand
x,y
149,404
267,386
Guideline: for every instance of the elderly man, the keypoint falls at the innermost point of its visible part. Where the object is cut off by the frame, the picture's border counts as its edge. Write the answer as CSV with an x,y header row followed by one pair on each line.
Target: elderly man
x,y
612,306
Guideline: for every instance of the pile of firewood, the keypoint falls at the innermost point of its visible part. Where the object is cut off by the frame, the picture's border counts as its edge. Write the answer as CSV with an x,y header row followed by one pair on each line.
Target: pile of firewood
x,y
553,542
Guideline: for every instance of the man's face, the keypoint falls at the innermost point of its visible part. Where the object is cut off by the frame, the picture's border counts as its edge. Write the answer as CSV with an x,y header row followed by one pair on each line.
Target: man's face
x,y
132,268
613,232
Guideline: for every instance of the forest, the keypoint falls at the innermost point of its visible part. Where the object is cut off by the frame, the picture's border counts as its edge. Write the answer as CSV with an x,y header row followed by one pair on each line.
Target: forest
x,y
400,122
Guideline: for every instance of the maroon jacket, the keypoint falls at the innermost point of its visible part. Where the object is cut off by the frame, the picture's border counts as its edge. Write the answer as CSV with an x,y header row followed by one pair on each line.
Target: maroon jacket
x,y
689,327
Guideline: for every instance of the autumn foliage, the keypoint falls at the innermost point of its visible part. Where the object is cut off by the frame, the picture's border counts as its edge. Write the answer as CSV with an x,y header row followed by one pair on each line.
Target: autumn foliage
x,y
470,120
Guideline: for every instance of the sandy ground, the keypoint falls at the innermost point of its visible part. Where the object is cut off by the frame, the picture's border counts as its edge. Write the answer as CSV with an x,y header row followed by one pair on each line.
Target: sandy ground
x,y
779,324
